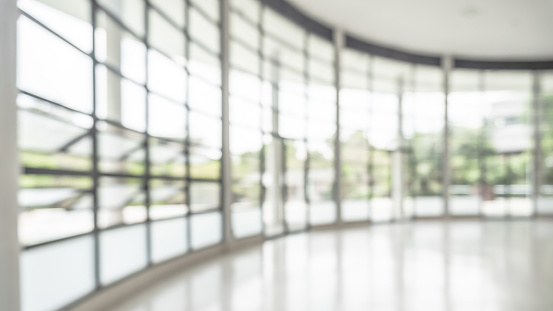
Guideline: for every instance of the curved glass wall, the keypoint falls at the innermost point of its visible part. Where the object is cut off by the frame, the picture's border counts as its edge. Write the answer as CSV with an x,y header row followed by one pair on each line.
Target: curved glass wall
x,y
121,136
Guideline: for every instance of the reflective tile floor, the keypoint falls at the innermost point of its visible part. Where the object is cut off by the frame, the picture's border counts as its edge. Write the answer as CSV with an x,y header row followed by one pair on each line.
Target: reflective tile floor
x,y
461,265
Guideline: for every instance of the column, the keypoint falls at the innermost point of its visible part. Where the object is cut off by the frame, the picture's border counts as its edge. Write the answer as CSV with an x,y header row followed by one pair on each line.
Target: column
x,y
9,166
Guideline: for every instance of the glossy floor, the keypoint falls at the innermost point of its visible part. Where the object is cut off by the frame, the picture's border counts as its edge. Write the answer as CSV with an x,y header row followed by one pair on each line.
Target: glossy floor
x,y
461,265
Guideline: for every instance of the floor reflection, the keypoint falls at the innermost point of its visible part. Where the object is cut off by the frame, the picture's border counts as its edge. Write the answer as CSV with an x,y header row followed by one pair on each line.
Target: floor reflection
x,y
462,265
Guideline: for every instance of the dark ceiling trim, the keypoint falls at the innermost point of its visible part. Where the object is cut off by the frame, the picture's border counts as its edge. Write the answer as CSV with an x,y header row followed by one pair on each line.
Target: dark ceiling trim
x,y
502,65
378,50
291,12
309,24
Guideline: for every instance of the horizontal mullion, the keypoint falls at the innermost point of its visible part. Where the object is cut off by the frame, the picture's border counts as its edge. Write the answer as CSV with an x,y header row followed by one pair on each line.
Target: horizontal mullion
x,y
244,209
166,177
54,33
42,244
244,44
167,98
54,117
320,80
245,126
53,103
320,60
165,17
120,226
204,146
243,70
113,69
287,45
170,218
120,23
300,72
246,100
207,114
356,71
244,17
205,180
121,126
206,81
164,54
207,211
203,13
202,46
46,171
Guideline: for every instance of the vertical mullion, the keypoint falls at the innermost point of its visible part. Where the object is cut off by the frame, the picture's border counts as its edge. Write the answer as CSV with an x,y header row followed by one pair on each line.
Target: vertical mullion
x,y
337,184
307,162
482,180
537,112
146,146
262,164
447,66
187,125
370,164
95,149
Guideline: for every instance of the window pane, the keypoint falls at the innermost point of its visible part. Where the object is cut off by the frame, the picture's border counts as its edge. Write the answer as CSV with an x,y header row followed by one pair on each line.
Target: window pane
x,y
167,158
119,49
204,196
166,77
63,141
203,31
122,252
120,150
50,68
69,274
71,21
167,38
55,207
205,97
121,202
174,9
206,229
246,222
204,64
168,199
205,130
167,119
131,12
168,239
209,7
120,100
205,163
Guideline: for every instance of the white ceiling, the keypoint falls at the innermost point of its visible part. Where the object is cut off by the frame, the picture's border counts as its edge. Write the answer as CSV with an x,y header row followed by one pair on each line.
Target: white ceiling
x,y
486,29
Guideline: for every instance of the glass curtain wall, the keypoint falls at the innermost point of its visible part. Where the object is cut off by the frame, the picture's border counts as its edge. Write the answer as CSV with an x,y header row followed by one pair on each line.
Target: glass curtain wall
x,y
491,143
246,131
120,139
423,124
120,136
386,138
299,117
321,130
356,153
466,140
285,112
